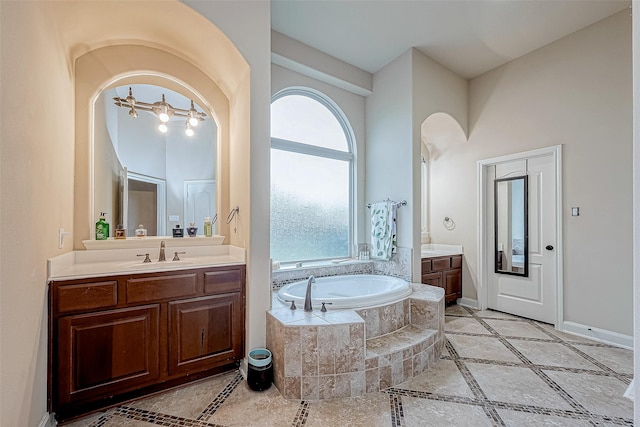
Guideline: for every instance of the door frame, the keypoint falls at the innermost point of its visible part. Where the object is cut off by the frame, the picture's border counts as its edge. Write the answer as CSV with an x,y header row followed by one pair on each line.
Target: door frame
x,y
485,259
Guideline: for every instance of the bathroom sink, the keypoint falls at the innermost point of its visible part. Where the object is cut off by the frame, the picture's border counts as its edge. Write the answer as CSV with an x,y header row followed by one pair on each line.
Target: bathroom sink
x,y
156,265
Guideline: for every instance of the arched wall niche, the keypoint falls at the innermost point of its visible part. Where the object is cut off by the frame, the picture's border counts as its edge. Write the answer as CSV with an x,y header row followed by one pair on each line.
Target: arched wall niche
x,y
439,133
108,41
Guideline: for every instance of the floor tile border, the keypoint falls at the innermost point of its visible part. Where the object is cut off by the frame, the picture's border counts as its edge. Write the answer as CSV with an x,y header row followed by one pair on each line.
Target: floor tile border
x,y
302,414
397,412
221,397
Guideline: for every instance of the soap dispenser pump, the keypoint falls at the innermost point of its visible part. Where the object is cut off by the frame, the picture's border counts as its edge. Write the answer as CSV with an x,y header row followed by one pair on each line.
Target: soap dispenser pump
x,y
102,228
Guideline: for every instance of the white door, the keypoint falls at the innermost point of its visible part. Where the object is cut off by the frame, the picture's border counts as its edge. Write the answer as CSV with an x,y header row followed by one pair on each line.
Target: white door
x,y
534,296
199,202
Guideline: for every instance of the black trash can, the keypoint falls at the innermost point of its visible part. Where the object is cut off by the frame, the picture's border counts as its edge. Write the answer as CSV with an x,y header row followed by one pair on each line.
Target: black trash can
x,y
260,369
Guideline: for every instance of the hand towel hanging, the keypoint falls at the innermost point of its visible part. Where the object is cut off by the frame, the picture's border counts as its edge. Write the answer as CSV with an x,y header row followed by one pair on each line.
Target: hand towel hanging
x,y
383,230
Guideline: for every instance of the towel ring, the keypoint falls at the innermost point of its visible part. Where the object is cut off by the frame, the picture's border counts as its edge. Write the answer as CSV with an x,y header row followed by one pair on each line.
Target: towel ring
x,y
448,223
232,214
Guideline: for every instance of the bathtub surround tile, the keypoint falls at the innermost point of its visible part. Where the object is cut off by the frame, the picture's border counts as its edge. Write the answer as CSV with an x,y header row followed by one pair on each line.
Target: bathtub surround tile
x,y
424,313
309,350
371,317
458,391
292,352
398,266
285,276
310,388
372,379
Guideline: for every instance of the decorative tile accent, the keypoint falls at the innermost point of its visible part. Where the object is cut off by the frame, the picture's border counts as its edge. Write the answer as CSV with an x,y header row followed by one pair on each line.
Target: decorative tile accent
x,y
398,266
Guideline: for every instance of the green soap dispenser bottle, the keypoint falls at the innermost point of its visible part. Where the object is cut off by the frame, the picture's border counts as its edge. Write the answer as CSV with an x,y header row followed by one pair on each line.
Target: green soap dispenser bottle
x,y
102,228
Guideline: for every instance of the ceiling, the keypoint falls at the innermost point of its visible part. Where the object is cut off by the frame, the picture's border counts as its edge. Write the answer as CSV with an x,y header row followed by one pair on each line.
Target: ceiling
x,y
468,37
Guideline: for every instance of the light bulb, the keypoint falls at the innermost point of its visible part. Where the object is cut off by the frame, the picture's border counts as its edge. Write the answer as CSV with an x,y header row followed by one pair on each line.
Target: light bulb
x,y
133,113
163,128
189,131
164,117
193,115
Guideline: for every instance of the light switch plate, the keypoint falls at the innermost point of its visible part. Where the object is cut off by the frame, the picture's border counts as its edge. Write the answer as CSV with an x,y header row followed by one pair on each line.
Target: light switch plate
x,y
575,211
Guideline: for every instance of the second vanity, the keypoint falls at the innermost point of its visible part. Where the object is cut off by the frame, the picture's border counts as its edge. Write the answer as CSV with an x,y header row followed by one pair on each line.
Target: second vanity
x,y
442,267
120,328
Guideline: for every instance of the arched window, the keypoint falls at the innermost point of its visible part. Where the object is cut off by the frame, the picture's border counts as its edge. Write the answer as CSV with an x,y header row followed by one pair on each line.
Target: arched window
x,y
311,178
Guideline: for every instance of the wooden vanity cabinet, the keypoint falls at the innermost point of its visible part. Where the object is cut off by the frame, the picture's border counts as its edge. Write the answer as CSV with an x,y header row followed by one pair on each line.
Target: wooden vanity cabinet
x,y
120,337
444,272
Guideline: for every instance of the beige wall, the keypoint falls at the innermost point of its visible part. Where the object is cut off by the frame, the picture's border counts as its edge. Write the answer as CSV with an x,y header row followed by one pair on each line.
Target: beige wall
x,y
36,184
436,90
575,92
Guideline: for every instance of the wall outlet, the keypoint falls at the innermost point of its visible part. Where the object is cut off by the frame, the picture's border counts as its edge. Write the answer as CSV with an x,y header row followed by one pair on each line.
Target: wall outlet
x,y
575,211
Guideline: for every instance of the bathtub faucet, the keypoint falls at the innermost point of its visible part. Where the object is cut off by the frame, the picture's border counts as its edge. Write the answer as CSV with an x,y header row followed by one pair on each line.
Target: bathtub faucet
x,y
307,298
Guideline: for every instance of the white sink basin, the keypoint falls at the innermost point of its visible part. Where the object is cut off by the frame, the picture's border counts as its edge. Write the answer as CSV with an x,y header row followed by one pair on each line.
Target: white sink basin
x,y
155,265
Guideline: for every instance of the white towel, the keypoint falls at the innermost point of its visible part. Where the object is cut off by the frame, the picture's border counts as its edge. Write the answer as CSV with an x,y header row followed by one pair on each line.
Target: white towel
x,y
383,230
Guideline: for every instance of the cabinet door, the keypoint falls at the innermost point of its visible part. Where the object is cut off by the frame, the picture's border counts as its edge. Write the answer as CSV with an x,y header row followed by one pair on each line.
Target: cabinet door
x,y
452,284
433,279
106,353
205,332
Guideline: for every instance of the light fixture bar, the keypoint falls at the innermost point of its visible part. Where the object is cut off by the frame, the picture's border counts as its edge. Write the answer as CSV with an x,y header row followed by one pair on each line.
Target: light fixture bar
x,y
158,108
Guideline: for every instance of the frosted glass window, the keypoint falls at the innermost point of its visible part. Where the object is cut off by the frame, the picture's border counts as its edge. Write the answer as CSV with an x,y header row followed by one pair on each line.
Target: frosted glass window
x,y
302,119
309,207
311,186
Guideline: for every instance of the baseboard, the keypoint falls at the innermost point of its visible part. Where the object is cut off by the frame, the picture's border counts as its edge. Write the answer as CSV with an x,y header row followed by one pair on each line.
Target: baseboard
x,y
47,421
244,367
630,393
468,302
600,335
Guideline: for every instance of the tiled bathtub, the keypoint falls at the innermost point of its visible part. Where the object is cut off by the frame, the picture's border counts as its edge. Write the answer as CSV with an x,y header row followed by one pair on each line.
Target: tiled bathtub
x,y
346,353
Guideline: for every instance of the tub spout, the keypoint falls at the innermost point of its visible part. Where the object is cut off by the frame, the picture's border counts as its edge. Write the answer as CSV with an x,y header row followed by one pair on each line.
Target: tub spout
x,y
307,298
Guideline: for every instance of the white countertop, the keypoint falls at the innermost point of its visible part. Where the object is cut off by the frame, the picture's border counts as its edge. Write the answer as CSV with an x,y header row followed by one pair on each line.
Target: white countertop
x,y
94,263
435,250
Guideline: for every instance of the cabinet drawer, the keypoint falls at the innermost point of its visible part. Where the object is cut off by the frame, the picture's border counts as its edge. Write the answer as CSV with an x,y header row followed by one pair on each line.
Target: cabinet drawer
x,y
87,296
426,265
161,287
439,264
433,279
456,261
218,282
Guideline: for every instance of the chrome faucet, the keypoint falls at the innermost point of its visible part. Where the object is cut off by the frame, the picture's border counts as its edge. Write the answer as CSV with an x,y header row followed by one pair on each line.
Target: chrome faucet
x,y
161,257
307,298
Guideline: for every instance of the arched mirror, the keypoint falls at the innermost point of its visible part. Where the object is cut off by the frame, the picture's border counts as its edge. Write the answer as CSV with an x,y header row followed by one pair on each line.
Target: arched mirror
x,y
511,226
154,160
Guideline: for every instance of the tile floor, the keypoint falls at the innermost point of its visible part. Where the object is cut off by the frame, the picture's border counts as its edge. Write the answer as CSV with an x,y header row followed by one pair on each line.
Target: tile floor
x,y
496,370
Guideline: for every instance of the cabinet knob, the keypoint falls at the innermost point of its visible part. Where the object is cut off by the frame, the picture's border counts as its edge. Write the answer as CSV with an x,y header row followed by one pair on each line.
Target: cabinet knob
x,y
549,247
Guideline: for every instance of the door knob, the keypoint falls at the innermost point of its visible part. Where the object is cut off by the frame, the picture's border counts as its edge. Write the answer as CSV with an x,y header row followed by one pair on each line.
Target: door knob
x,y
549,247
